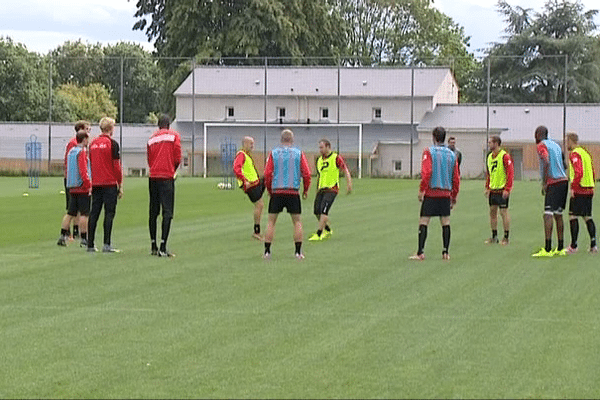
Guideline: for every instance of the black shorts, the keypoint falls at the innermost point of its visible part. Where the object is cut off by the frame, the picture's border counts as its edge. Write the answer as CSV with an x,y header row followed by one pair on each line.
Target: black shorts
x,y
67,196
79,203
556,198
581,205
496,199
289,201
256,192
435,207
323,201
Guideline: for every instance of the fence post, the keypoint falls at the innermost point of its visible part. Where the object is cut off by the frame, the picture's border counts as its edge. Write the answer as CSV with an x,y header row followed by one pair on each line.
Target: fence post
x,y
121,113
194,121
412,114
265,114
565,106
487,126
339,82
49,115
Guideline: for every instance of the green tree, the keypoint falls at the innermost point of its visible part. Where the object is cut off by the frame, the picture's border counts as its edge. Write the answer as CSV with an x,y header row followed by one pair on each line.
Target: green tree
x,y
530,65
144,86
90,102
77,63
405,32
226,28
400,31
24,83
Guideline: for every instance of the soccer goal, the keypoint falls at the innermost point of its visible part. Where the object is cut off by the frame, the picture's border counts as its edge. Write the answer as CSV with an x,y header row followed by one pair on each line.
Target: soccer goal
x,y
346,139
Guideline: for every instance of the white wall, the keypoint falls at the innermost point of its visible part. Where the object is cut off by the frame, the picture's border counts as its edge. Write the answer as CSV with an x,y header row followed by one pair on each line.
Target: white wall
x,y
392,110
387,155
447,92
301,108
471,145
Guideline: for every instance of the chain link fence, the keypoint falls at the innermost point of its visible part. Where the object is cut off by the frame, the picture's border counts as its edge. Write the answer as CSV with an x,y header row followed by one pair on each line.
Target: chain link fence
x,y
378,117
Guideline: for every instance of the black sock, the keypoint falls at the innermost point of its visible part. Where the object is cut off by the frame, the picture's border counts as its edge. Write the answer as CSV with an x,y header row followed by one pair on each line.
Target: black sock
x,y
446,238
75,230
422,238
319,232
84,235
153,244
267,247
327,228
548,246
257,228
163,246
574,224
494,233
298,247
561,245
64,232
592,231
506,235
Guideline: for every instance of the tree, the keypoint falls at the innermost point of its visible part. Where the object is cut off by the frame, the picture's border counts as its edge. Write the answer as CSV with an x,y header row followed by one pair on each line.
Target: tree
x,y
530,65
77,63
24,83
517,18
90,102
405,32
144,86
400,31
227,28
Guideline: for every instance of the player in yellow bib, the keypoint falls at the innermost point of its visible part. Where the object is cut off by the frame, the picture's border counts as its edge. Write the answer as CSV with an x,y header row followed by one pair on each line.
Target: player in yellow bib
x,y
248,180
329,165
500,174
582,178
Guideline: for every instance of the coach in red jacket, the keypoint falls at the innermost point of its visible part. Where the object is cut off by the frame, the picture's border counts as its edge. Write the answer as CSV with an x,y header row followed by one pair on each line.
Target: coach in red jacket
x,y
107,183
164,156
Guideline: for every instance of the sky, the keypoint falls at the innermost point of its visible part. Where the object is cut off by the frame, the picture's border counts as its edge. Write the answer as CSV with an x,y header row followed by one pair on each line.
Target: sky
x,y
43,25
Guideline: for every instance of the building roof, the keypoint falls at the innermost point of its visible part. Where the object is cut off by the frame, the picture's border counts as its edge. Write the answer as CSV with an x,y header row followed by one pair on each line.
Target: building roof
x,y
314,81
517,121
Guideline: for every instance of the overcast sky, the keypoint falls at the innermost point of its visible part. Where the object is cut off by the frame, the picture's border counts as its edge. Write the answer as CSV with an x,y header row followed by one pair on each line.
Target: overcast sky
x,y
43,25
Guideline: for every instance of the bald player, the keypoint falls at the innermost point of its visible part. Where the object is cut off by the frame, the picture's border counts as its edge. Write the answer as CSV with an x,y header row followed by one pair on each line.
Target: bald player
x,y
248,180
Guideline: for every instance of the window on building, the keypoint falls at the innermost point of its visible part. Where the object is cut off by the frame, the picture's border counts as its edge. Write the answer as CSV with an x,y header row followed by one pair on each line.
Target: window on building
x,y
229,112
324,113
397,165
280,114
377,113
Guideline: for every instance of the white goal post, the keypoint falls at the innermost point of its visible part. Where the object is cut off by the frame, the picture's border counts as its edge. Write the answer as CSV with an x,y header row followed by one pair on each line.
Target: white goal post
x,y
207,125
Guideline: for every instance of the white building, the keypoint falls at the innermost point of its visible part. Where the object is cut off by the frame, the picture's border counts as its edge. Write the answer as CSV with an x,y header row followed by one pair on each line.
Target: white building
x,y
54,138
516,124
232,102
377,99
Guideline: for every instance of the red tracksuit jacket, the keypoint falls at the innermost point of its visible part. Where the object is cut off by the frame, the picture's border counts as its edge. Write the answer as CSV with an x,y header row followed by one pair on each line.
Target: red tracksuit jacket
x,y
164,153
105,162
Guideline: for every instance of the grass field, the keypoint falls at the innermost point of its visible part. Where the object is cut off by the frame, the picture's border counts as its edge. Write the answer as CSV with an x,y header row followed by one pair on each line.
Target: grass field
x,y
355,319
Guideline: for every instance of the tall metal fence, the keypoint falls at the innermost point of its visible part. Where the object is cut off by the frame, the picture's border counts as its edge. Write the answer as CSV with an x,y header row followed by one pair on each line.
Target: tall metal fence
x,y
378,117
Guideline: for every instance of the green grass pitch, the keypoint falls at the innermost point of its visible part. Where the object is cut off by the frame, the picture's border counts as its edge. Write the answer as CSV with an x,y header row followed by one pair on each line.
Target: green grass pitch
x,y
355,319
